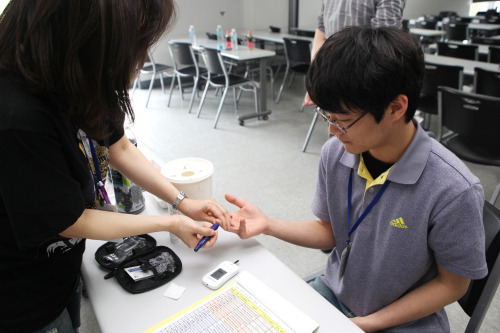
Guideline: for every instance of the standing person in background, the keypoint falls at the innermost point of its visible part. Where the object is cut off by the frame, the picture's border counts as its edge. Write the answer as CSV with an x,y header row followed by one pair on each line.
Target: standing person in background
x,y
65,71
338,14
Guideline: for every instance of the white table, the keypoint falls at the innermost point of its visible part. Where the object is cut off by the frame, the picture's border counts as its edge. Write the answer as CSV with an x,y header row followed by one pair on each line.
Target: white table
x,y
484,26
118,311
468,65
243,54
276,37
427,32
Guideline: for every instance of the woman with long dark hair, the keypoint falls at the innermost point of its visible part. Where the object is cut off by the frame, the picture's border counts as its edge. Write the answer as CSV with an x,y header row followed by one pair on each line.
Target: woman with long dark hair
x,y
65,70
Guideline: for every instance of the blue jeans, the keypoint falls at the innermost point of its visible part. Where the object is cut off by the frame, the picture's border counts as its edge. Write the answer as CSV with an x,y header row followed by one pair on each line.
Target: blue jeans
x,y
69,320
328,294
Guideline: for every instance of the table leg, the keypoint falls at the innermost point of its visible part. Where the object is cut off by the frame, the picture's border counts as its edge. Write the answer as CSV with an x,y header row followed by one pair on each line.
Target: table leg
x,y
263,112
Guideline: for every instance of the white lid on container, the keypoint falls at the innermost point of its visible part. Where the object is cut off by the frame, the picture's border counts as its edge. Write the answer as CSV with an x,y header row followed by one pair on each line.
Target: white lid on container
x,y
187,170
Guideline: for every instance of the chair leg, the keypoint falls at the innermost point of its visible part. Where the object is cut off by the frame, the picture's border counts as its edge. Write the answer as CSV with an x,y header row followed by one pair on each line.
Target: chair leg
x,y
291,80
282,85
180,86
202,99
161,81
220,106
195,89
311,128
494,197
171,89
235,98
150,88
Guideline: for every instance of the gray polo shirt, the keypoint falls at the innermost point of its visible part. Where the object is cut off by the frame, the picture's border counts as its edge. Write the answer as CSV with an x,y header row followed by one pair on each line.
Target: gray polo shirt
x,y
430,215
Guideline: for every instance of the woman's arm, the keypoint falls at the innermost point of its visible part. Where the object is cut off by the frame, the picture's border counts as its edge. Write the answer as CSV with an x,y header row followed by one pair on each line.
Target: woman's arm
x,y
126,158
98,224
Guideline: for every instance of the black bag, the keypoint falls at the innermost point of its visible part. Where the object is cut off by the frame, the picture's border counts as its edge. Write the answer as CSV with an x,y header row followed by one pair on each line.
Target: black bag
x,y
139,251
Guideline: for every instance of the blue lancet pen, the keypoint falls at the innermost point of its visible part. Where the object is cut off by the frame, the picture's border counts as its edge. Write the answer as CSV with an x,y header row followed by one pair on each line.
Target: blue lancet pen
x,y
205,238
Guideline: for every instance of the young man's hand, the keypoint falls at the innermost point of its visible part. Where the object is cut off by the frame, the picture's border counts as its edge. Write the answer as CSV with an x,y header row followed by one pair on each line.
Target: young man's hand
x,y
247,222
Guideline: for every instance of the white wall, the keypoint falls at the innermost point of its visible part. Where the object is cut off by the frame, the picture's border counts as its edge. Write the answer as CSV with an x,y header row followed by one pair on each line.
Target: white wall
x,y
205,15
417,8
308,13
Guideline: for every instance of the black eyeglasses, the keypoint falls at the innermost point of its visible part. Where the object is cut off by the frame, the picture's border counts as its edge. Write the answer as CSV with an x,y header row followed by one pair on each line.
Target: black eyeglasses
x,y
326,117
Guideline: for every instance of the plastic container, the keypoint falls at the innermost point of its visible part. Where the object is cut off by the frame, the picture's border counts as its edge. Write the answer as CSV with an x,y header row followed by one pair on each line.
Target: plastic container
x,y
228,40
234,39
220,38
192,176
250,40
192,35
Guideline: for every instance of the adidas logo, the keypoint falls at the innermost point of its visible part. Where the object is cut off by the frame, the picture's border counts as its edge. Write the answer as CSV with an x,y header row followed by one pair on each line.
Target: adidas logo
x,y
399,223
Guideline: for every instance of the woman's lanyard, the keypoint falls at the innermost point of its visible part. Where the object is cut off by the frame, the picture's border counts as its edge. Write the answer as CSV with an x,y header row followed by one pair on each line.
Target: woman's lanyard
x,y
98,183
345,253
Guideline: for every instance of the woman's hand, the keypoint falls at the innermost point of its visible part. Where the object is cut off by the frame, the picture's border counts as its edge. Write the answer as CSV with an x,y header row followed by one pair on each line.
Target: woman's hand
x,y
205,210
247,222
190,232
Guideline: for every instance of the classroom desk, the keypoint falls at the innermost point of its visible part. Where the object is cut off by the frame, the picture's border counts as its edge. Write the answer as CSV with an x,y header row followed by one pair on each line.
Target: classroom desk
x,y
468,65
243,54
119,311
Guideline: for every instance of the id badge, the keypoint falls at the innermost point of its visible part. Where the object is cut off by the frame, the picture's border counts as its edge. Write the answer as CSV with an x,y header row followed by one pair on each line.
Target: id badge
x,y
107,207
343,260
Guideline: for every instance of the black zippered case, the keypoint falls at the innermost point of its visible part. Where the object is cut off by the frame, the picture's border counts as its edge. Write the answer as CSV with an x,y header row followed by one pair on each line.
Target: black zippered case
x,y
141,251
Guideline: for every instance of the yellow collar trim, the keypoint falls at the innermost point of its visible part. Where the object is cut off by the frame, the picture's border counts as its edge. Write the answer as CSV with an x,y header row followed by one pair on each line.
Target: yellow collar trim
x,y
364,173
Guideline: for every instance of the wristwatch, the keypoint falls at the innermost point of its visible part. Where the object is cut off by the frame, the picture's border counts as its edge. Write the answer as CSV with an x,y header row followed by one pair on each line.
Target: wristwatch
x,y
178,200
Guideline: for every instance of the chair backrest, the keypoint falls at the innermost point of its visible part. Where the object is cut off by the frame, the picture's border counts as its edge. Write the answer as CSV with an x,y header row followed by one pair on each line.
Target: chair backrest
x,y
472,116
447,13
441,75
297,51
213,61
424,24
485,41
470,52
182,54
481,292
486,82
211,36
457,31
494,54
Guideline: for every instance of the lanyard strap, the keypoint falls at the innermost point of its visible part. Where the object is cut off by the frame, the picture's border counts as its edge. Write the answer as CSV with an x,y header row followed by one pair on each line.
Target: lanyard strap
x,y
367,210
99,184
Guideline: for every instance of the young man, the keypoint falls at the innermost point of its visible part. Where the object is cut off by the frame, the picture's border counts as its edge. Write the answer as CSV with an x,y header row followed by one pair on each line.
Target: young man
x,y
403,214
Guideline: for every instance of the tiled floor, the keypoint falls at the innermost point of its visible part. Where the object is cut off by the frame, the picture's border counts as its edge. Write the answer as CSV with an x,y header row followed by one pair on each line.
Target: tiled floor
x,y
261,162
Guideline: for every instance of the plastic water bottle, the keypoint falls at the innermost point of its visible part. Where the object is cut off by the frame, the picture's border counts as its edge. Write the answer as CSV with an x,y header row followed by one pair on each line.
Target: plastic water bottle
x,y
192,35
220,38
234,39
228,40
250,40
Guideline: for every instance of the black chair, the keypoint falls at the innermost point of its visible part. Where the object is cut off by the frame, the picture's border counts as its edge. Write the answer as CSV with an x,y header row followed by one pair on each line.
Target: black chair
x,y
298,61
447,13
435,76
470,52
185,66
152,68
478,298
494,55
424,24
472,121
486,82
218,77
211,36
457,31
485,41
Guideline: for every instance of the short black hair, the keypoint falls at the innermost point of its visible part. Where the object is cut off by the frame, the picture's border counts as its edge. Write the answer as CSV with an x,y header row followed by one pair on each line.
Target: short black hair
x,y
367,68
